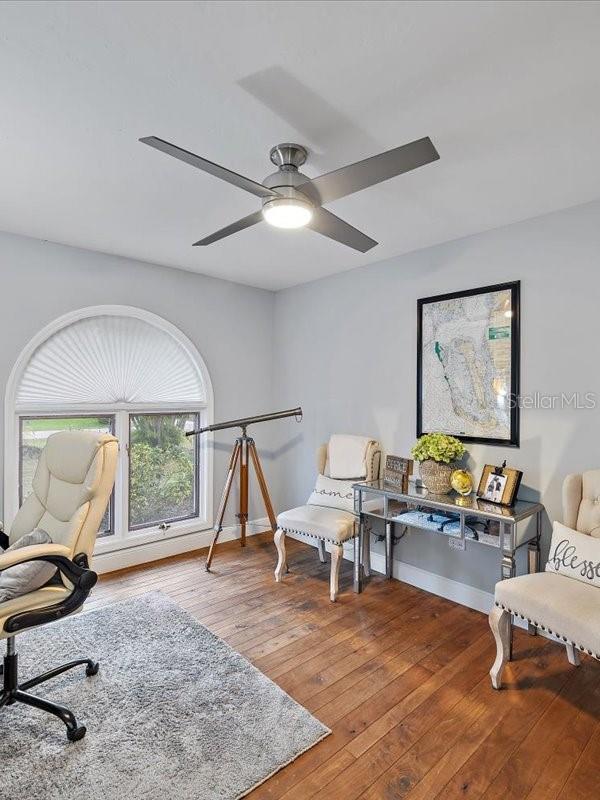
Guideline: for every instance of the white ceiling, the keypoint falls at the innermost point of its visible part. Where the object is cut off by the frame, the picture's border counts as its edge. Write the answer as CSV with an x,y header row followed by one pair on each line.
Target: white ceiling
x,y
509,93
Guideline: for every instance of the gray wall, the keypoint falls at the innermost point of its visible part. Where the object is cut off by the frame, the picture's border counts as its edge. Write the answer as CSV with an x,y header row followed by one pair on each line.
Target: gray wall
x,y
346,345
344,348
231,325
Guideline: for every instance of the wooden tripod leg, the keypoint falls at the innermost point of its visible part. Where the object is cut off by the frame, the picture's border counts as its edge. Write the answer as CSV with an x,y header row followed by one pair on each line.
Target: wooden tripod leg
x,y
218,527
243,515
263,484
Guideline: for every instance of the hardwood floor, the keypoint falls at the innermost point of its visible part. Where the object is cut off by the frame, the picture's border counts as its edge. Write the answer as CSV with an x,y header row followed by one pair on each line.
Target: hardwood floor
x,y
399,675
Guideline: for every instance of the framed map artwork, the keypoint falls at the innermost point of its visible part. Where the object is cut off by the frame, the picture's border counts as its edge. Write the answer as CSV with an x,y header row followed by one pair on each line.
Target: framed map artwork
x,y
468,346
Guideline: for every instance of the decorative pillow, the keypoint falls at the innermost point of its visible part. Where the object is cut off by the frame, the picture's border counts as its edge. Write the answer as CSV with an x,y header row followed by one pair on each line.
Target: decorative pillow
x,y
575,555
24,578
333,494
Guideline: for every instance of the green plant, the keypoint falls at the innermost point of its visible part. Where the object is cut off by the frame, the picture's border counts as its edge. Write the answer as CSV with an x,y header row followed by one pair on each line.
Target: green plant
x,y
439,447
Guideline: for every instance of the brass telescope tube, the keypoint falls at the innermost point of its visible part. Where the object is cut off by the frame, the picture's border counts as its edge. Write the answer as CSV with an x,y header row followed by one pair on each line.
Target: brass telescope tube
x,y
243,422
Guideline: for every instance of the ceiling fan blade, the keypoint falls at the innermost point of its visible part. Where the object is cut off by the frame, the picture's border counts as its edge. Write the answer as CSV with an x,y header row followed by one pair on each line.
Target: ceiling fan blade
x,y
327,224
207,166
376,169
240,225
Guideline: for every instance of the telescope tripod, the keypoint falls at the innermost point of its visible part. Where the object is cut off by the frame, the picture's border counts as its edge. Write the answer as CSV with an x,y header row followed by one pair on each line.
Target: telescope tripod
x,y
244,451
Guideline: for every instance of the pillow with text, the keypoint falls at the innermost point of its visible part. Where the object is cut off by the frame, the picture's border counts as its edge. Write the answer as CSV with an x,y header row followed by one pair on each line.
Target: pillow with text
x,y
574,555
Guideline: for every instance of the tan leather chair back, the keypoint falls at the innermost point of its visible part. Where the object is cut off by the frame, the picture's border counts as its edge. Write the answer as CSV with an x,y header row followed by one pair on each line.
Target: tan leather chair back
x,y
373,459
581,502
71,489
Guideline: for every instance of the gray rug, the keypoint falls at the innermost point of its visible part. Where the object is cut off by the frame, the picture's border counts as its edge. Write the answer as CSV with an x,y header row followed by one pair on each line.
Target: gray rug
x,y
173,713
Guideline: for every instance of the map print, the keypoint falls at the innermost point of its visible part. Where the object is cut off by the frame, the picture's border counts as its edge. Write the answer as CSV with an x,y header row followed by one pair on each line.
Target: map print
x,y
466,365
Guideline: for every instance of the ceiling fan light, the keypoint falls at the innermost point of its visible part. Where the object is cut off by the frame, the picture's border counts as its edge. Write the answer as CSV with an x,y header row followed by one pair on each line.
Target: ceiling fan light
x,y
287,213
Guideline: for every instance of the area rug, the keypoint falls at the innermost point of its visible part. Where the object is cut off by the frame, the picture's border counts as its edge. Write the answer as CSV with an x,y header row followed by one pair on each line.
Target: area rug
x,y
173,713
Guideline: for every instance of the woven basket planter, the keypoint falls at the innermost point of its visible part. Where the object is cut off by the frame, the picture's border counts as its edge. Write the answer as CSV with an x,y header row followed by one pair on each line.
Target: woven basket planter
x,y
436,476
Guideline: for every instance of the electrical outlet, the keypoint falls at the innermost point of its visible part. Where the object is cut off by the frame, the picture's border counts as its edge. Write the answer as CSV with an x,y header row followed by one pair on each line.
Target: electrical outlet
x,y
456,544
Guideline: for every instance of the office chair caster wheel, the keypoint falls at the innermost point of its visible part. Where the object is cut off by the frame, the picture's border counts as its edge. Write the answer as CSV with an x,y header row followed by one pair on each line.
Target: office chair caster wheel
x,y
92,669
76,734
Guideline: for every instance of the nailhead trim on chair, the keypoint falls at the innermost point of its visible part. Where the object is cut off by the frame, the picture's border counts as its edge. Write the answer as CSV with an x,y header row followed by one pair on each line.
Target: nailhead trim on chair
x,y
560,635
373,454
314,536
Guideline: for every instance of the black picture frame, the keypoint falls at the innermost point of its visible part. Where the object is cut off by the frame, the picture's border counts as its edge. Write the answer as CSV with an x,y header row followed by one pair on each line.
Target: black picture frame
x,y
515,289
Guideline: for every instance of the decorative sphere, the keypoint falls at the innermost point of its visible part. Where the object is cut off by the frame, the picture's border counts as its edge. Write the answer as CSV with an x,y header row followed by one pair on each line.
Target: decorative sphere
x,y
461,481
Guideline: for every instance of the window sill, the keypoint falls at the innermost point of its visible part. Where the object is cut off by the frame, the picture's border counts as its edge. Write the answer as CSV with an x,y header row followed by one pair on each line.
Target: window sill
x,y
111,544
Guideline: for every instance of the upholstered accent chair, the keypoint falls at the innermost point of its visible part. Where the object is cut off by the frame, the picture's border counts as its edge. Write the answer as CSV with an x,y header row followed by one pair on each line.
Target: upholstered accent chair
x,y
71,490
328,516
566,608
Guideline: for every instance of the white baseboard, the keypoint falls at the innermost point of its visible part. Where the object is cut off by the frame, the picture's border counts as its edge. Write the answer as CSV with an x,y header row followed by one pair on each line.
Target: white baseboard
x,y
153,551
448,588
458,592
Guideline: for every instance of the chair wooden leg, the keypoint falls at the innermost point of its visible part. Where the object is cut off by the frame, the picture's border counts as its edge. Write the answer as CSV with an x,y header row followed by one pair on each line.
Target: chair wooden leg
x,y
500,623
321,550
337,553
281,567
573,655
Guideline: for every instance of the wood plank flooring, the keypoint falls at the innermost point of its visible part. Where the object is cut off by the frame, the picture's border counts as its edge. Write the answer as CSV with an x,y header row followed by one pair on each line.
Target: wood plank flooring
x,y
399,675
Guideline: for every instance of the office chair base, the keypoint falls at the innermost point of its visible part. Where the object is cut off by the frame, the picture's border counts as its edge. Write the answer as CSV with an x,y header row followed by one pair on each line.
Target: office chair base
x,y
13,692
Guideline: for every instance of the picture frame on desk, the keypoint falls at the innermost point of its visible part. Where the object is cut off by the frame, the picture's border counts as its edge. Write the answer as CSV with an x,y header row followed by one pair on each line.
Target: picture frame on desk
x,y
468,364
499,485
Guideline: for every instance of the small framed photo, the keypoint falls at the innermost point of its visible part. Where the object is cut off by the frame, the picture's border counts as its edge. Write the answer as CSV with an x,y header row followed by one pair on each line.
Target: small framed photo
x,y
499,484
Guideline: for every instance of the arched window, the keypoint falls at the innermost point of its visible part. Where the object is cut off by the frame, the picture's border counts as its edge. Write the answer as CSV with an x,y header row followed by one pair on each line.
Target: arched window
x,y
127,371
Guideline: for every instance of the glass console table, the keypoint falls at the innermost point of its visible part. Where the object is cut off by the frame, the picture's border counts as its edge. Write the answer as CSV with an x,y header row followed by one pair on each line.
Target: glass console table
x,y
454,516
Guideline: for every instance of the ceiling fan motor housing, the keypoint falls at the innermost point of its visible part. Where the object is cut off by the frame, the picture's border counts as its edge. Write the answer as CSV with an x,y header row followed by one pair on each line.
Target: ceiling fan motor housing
x,y
288,155
287,180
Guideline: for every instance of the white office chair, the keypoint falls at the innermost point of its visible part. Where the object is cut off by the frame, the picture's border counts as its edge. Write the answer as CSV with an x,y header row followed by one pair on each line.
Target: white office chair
x,y
71,489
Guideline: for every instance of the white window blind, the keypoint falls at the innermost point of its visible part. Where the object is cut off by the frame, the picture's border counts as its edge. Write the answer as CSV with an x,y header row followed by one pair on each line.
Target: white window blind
x,y
110,359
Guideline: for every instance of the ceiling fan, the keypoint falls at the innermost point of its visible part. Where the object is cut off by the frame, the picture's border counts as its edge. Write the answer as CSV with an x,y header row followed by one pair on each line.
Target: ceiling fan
x,y
292,200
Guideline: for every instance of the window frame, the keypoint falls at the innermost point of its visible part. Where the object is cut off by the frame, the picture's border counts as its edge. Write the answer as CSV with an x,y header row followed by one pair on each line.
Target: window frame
x,y
197,473
122,538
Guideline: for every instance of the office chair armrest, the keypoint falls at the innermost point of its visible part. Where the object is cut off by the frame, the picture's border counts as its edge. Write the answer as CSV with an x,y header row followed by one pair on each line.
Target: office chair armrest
x,y
78,574
34,552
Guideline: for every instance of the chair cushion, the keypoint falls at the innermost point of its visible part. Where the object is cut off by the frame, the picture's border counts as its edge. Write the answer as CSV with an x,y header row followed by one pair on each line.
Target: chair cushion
x,y
333,494
71,488
570,609
347,456
331,524
29,576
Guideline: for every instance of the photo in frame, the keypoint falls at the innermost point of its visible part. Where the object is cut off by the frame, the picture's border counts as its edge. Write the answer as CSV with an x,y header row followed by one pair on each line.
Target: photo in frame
x,y
499,484
468,353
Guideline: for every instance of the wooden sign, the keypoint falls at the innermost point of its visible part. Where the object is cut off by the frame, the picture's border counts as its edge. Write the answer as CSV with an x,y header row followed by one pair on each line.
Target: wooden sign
x,y
397,471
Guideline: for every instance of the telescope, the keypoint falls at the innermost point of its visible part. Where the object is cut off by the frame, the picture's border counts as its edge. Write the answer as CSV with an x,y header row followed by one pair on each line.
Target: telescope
x,y
245,421
244,451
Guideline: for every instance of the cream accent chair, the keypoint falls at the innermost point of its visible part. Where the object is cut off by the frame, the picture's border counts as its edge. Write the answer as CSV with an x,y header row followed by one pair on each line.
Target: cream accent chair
x,y
71,489
557,604
331,527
